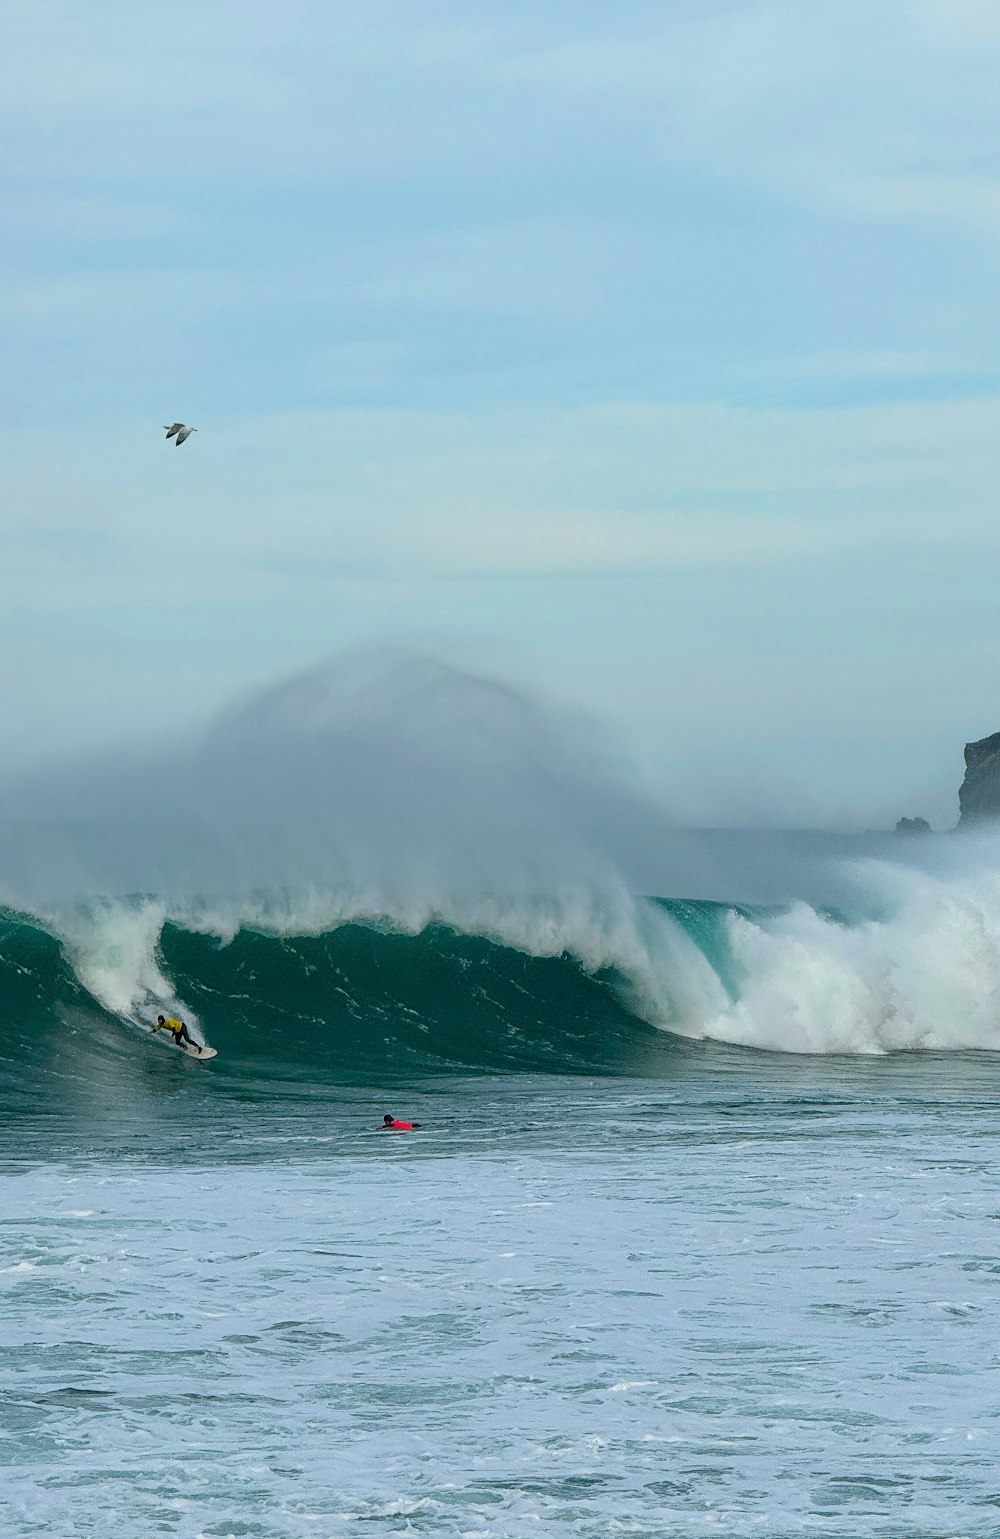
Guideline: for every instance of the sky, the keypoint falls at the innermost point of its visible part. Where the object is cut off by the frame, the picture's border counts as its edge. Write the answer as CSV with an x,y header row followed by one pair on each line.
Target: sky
x,y
648,355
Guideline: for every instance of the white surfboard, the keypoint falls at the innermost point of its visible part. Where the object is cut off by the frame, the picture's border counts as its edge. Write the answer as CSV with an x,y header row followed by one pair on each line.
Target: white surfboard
x,y
192,1052
167,1040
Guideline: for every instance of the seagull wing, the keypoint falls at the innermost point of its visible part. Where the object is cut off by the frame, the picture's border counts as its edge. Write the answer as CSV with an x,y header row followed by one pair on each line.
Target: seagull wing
x,y
185,432
172,429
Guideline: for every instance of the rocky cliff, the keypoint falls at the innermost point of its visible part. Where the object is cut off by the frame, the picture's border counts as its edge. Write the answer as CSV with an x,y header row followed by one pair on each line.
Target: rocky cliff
x,y
979,796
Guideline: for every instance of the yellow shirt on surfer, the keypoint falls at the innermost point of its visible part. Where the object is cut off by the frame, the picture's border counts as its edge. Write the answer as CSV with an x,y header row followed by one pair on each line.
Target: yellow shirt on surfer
x,y
178,1030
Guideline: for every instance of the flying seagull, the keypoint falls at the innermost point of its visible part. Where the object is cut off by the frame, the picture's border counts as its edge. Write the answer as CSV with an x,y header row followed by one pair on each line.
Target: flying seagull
x,y
181,431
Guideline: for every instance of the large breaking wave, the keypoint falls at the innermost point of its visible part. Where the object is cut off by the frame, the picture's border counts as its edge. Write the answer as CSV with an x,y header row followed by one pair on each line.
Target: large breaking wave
x,y
586,991
394,866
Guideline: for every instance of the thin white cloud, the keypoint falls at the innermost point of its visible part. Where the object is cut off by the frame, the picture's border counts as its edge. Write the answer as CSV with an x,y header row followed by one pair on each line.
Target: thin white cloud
x,y
260,507
226,90
959,23
871,109
814,103
80,297
67,217
348,367
551,269
69,58
954,198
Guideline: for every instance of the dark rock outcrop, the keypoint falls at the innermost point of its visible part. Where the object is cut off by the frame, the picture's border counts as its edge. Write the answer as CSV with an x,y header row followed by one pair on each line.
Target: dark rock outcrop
x,y
913,826
979,796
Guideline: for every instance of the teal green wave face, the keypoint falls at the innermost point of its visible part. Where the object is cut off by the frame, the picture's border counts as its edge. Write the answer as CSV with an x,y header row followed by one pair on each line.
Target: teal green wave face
x,y
355,1002
360,1001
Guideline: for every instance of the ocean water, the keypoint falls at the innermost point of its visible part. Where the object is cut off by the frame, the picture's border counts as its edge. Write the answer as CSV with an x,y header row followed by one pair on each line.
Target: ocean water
x,y
625,1280
701,1231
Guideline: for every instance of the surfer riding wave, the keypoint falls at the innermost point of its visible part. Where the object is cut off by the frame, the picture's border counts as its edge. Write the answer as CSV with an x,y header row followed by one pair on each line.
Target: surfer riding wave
x,y
178,1030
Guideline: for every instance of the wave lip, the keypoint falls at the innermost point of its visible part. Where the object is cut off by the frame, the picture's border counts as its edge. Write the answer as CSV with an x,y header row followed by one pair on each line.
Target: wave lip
x,y
355,999
390,859
595,981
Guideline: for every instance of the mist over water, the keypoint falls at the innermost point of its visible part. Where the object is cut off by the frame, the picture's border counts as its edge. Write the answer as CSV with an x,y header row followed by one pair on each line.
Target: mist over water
x,y
385,778
394,795
639,1268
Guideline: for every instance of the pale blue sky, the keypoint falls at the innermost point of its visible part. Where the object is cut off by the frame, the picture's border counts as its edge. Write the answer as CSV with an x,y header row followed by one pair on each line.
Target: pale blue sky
x,y
648,353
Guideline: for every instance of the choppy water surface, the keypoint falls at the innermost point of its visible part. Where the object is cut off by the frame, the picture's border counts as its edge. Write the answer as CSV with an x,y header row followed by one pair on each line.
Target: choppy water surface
x,y
756,1295
701,1235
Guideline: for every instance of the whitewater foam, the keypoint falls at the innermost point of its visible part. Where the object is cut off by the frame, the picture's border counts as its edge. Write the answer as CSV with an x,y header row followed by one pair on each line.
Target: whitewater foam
x,y
925,977
112,946
402,797
925,974
115,945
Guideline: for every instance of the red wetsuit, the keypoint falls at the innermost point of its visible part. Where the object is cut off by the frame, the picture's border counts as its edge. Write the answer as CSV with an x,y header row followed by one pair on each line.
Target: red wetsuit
x,y
402,1127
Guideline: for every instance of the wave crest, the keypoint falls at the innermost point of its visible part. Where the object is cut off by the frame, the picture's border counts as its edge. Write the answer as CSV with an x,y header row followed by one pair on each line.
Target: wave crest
x,y
566,985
